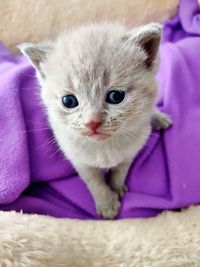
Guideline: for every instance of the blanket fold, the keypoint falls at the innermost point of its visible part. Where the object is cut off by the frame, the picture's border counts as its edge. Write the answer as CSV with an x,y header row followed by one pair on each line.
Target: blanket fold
x,y
36,178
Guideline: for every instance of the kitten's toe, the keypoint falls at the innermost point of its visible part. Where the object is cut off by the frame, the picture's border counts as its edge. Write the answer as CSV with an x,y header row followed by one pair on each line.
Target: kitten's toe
x,y
120,190
109,208
161,121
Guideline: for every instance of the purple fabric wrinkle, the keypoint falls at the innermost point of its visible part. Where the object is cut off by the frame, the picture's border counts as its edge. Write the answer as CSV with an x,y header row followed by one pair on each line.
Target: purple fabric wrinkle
x,y
35,176
185,24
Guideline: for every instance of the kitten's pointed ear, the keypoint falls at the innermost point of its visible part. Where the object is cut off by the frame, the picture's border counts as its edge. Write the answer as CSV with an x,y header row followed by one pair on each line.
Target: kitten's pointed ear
x,y
37,53
148,37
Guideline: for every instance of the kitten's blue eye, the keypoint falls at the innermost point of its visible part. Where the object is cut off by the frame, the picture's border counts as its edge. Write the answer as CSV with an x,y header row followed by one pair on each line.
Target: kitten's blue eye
x,y
70,101
115,97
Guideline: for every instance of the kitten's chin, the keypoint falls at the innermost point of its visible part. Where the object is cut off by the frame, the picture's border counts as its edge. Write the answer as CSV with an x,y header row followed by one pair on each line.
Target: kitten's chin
x,y
96,136
99,136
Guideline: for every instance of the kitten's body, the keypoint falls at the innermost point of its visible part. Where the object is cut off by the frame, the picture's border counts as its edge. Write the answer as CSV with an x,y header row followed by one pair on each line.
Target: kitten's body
x,y
89,63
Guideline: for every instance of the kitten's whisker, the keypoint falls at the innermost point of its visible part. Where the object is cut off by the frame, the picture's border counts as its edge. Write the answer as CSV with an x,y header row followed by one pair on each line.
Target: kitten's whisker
x,y
35,122
29,75
36,89
55,152
35,130
50,141
49,147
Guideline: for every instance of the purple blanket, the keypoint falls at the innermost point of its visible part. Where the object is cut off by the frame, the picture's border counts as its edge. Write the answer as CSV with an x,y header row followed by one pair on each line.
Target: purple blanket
x,y
36,178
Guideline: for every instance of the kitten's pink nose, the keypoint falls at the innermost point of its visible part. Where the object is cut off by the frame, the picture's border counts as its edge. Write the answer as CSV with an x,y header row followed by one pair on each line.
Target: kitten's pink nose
x,y
94,123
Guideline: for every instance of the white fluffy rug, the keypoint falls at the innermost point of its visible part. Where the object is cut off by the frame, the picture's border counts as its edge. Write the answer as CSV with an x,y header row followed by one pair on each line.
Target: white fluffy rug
x,y
170,240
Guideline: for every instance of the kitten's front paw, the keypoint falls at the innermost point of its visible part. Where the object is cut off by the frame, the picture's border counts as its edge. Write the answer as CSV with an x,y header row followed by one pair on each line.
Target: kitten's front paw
x,y
108,208
160,121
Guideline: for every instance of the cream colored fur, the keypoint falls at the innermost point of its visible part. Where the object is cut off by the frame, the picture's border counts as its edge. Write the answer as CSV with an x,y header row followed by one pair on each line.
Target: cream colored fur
x,y
170,240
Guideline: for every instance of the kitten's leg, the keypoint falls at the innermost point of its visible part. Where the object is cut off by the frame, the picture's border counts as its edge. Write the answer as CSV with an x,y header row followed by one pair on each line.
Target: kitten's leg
x,y
160,120
106,201
118,177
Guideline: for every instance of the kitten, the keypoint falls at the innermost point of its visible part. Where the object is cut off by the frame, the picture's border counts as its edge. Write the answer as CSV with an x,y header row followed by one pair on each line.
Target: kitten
x,y
98,85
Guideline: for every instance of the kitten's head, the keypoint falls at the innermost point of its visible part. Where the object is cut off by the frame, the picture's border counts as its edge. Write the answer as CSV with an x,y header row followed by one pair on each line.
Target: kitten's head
x,y
98,80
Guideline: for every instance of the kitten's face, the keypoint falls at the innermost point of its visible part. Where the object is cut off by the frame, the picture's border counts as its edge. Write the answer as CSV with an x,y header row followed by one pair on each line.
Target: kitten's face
x,y
97,83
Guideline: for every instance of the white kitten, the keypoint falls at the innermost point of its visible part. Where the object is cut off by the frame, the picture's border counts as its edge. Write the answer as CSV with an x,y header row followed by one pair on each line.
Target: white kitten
x,y
98,85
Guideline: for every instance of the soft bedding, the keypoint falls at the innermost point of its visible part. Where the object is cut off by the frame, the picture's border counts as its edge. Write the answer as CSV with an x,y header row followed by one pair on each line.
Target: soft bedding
x,y
36,178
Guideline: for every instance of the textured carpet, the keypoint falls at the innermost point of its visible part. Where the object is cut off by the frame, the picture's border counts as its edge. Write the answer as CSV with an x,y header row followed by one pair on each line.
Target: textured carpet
x,y
170,240
30,20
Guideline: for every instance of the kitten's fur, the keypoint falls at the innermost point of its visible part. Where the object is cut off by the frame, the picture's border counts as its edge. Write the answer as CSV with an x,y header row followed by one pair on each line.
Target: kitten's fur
x,y
87,62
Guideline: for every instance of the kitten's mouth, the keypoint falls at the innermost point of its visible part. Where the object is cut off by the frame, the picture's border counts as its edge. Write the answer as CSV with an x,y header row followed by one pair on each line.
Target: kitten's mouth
x,y
99,136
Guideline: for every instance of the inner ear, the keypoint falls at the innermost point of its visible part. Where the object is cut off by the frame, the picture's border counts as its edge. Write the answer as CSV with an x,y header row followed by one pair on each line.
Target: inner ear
x,y
37,53
150,44
148,38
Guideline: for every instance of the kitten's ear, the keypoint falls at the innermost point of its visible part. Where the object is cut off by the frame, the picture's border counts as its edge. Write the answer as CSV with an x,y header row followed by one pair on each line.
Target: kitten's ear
x,y
148,38
37,53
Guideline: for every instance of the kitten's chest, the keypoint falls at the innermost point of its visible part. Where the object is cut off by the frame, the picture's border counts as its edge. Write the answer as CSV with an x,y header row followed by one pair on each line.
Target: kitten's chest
x,y
97,155
102,157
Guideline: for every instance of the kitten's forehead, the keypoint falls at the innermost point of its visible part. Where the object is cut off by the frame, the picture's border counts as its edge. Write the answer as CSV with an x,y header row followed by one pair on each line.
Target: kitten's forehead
x,y
95,55
91,46
96,35
92,42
